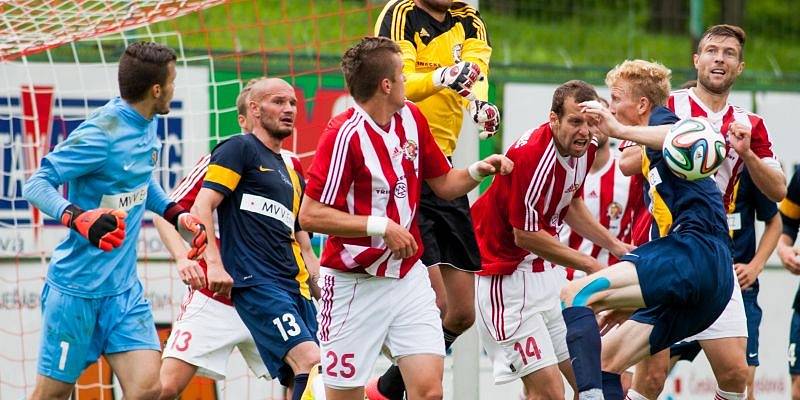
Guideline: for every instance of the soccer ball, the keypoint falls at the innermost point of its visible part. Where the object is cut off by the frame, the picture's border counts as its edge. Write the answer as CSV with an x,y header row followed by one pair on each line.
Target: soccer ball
x,y
693,149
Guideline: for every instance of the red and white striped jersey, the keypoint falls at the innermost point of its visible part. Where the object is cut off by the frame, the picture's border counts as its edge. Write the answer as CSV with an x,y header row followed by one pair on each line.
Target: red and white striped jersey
x,y
185,193
684,103
535,196
613,199
363,169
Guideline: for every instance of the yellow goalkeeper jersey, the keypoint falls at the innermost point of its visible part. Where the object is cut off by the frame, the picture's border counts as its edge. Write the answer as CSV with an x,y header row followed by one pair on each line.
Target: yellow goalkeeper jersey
x,y
428,44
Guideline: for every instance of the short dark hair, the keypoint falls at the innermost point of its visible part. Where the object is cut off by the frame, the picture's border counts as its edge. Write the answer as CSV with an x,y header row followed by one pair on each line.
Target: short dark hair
x,y
143,65
366,64
580,91
725,30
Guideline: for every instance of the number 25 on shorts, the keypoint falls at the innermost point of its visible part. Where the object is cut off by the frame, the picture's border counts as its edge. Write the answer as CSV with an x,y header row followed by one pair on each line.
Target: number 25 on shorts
x,y
341,364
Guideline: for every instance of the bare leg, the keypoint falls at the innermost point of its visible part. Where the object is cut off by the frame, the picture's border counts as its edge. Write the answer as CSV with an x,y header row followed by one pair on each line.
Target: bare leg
x,y
727,359
651,373
141,382
423,375
545,383
51,389
175,375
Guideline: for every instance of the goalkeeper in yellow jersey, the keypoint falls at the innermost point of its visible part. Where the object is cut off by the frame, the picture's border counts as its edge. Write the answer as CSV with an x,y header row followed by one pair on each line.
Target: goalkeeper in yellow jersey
x,y
445,52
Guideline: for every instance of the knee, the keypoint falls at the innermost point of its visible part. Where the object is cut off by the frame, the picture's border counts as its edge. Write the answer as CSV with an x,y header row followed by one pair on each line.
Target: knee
x,y
652,384
144,392
733,379
567,294
40,393
428,392
459,319
441,304
169,391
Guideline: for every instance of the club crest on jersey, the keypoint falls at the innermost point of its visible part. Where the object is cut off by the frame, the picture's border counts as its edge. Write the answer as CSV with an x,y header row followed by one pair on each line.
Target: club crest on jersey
x,y
572,188
614,211
554,220
457,52
400,190
410,150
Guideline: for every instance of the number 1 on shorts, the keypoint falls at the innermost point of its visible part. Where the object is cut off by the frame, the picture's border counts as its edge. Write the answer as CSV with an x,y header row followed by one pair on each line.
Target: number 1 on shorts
x,y
62,362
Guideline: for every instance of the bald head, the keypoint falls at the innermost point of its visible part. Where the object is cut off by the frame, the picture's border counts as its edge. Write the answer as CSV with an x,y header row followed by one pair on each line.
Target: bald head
x,y
273,104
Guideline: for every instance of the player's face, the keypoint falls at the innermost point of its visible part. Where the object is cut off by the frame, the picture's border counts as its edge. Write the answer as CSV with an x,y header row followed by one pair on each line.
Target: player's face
x,y
167,91
623,104
572,130
277,111
397,93
438,5
718,63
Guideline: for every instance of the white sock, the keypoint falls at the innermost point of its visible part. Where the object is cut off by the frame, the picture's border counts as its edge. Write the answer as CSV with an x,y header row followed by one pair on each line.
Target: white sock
x,y
591,394
723,395
634,395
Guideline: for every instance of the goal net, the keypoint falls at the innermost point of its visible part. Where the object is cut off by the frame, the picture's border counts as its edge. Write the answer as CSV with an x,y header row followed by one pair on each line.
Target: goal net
x,y
58,62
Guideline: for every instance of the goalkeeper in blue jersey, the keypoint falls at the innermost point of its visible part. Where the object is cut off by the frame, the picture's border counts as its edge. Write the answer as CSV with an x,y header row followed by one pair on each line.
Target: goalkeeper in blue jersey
x,y
92,301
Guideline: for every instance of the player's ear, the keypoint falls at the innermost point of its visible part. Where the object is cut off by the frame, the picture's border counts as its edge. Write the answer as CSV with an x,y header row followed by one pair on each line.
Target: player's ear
x,y
155,90
553,118
643,106
740,68
386,85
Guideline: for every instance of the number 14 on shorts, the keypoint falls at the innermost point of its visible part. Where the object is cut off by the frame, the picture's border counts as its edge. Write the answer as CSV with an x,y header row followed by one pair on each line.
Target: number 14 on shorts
x,y
528,350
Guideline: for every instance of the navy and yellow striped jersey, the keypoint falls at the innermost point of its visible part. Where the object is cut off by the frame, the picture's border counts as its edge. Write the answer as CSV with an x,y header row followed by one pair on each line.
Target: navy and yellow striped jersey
x,y
790,213
258,217
428,44
676,203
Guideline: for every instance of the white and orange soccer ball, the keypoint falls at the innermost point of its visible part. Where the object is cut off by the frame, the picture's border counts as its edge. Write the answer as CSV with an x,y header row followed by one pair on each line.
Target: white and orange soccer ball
x,y
693,149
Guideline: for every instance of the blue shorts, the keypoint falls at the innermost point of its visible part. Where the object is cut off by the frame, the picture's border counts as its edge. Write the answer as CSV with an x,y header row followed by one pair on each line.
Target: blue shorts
x,y
278,320
77,330
794,344
686,279
689,350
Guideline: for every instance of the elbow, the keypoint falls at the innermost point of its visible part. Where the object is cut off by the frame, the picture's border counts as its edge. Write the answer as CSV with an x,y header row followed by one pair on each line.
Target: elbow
x,y
628,168
306,220
778,193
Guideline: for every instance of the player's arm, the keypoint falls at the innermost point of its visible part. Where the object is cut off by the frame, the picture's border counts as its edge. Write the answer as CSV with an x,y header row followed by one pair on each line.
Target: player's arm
x,y
84,152
790,215
185,224
311,260
551,249
218,279
649,136
476,49
581,220
630,161
754,152
458,182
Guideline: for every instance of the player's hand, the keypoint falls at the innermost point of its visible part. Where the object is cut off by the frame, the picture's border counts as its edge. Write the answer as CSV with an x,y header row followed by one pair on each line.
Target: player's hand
x,y
622,248
459,77
494,164
486,116
103,227
747,274
191,274
219,281
739,137
399,240
790,258
193,232
602,119
609,319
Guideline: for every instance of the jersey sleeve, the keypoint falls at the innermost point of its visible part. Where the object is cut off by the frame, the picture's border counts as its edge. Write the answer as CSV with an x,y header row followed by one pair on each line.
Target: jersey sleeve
x,y
331,173
394,24
790,207
157,200
759,139
476,47
186,191
226,166
764,207
84,151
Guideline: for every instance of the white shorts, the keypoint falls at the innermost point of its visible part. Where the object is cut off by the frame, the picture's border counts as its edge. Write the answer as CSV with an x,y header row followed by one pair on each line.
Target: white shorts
x,y
205,334
519,322
731,323
361,314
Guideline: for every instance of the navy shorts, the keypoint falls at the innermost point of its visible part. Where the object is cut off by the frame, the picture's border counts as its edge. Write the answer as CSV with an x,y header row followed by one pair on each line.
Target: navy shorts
x,y
278,320
689,350
794,344
447,233
686,279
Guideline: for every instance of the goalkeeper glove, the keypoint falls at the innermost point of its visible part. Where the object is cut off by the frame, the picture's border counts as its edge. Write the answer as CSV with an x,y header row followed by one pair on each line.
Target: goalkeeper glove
x,y
486,115
459,77
103,227
191,229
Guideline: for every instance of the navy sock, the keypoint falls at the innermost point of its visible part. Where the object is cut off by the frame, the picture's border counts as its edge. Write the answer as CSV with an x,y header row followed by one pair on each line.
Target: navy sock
x,y
612,386
391,384
583,342
300,381
449,338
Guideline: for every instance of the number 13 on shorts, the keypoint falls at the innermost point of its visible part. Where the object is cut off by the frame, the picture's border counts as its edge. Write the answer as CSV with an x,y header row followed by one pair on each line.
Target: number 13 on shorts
x,y
284,322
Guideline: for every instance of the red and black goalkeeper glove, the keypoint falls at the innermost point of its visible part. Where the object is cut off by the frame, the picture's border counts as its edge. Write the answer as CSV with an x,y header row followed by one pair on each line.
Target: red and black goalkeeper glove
x,y
191,229
103,227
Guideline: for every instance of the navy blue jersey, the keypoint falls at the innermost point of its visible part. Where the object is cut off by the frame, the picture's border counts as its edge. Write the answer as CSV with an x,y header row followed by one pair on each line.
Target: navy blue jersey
x,y
790,213
258,217
750,205
676,203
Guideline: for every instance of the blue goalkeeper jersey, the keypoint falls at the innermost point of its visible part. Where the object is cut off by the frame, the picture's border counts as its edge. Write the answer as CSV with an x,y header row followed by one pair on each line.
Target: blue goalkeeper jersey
x,y
108,162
